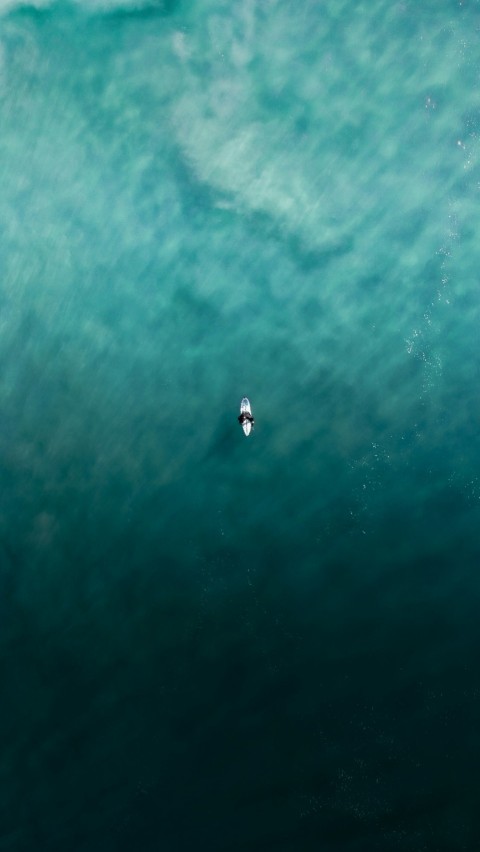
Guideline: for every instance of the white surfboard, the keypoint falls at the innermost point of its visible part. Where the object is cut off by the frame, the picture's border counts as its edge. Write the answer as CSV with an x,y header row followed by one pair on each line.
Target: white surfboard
x,y
245,408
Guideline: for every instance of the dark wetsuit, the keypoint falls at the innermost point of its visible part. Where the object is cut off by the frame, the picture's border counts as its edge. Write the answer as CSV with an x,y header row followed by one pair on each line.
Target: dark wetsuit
x,y
245,416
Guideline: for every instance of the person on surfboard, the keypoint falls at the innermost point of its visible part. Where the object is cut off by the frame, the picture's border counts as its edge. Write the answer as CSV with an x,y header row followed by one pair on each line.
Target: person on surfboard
x,y
245,417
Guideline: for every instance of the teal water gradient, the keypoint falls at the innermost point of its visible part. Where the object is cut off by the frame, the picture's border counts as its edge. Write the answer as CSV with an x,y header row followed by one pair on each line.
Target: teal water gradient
x,y
209,642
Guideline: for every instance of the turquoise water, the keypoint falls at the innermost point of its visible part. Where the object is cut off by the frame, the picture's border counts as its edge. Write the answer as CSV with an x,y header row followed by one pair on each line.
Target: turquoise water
x,y
209,642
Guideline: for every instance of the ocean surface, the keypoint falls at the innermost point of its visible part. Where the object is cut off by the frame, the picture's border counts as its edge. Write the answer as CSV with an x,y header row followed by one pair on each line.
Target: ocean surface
x,y
209,642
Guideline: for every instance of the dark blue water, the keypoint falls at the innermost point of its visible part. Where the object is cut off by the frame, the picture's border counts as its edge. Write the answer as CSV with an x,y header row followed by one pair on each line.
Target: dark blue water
x,y
208,642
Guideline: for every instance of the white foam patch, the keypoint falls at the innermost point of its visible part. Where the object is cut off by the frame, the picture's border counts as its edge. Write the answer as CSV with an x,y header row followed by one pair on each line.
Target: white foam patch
x,y
250,163
265,164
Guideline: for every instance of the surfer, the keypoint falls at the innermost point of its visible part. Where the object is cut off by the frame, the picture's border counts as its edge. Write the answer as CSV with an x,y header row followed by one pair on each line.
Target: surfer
x,y
246,418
